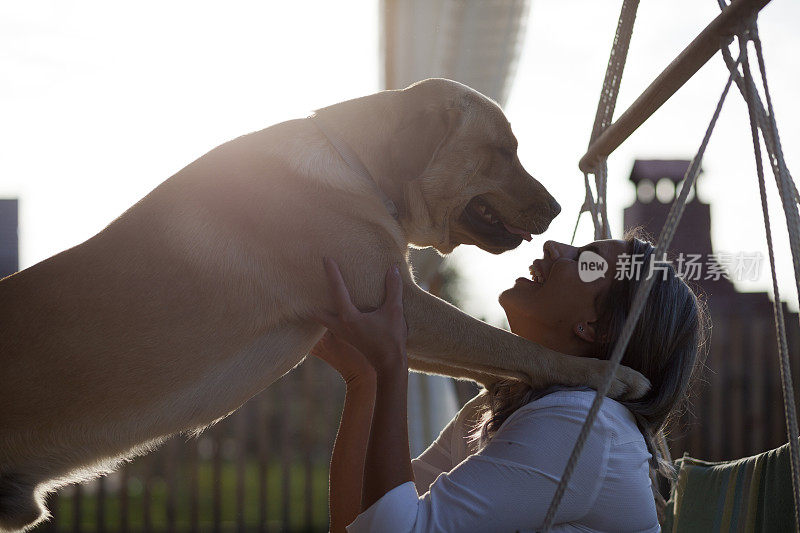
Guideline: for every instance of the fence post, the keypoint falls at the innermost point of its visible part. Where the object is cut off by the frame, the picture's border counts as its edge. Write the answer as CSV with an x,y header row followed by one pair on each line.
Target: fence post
x,y
308,435
263,459
170,481
77,508
241,461
216,483
194,487
287,425
736,390
714,425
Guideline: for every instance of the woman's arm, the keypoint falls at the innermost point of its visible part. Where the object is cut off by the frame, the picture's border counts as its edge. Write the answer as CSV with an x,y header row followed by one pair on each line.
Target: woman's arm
x,y
380,336
388,461
347,461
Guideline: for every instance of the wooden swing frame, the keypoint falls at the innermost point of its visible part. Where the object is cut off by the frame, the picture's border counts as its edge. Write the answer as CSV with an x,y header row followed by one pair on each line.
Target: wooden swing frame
x,y
705,46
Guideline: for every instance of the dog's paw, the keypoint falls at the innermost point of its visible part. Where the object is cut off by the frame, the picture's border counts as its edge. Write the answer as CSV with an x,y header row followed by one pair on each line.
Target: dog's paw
x,y
628,384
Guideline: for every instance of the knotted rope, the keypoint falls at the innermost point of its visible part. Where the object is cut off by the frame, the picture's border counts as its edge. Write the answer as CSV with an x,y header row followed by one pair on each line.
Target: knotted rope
x,y
789,200
602,119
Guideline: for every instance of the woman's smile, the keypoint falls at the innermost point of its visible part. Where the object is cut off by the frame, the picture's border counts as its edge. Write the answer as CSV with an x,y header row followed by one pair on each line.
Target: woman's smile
x,y
538,272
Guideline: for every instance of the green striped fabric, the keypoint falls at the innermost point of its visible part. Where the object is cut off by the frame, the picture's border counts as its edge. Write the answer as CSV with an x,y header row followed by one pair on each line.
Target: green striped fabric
x,y
750,494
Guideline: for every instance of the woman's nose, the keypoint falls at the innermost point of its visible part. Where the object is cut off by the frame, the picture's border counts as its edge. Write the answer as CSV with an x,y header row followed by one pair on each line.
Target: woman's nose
x,y
550,249
555,250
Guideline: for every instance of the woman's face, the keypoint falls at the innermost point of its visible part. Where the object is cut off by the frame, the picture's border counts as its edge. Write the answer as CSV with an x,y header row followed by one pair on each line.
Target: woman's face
x,y
555,307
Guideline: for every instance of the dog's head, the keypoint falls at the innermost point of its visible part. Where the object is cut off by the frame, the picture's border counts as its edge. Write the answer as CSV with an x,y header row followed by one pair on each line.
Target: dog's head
x,y
463,182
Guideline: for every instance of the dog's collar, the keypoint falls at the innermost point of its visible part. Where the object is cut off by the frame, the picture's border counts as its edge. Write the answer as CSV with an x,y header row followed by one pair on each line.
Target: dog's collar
x,y
352,160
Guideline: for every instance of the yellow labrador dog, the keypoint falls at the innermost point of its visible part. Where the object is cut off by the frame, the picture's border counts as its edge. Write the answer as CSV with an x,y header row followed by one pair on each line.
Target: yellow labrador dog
x,y
199,296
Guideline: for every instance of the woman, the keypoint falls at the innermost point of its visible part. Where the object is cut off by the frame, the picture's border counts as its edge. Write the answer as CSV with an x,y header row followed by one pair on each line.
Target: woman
x,y
502,475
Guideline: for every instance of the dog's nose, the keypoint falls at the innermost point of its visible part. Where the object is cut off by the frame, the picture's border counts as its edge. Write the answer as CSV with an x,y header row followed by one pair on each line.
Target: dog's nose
x,y
555,208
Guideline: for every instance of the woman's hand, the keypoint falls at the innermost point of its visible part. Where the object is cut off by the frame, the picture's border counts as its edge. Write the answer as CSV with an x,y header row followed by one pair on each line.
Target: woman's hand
x,y
379,335
381,432
349,362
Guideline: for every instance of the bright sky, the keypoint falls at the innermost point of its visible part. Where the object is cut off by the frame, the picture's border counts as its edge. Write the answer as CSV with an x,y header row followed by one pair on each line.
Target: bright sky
x,y
100,102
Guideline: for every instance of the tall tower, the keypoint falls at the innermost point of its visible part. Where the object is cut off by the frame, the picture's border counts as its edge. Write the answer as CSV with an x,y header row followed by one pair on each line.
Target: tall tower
x,y
657,183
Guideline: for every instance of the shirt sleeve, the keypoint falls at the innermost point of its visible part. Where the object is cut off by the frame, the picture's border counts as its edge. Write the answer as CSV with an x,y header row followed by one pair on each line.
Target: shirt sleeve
x,y
450,447
509,484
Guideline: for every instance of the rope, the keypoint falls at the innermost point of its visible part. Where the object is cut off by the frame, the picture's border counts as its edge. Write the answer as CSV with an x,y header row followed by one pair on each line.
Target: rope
x,y
588,205
783,180
601,182
603,116
616,64
639,300
780,171
761,114
785,368
759,119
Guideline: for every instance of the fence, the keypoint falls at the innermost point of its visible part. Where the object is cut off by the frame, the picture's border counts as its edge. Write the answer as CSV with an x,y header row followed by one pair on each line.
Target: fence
x,y
265,468
737,409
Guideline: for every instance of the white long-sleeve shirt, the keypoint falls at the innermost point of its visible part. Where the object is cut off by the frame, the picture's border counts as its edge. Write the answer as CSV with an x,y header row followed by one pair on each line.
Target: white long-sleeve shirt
x,y
507,486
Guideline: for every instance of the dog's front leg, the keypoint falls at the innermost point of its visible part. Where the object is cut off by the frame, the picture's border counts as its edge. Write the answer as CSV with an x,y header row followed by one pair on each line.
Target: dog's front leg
x,y
440,332
485,378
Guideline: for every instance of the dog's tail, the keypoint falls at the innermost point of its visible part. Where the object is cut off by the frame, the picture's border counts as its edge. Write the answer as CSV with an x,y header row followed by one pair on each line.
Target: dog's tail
x,y
20,508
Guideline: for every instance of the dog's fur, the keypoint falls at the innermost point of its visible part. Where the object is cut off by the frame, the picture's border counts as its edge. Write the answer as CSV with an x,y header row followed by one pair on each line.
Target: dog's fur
x,y
199,296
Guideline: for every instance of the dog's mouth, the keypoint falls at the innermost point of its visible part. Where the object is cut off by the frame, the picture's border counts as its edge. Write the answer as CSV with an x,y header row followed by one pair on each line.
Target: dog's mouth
x,y
487,227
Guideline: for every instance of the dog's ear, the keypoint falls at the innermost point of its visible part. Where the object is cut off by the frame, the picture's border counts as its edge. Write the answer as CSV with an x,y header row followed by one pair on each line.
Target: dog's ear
x,y
419,138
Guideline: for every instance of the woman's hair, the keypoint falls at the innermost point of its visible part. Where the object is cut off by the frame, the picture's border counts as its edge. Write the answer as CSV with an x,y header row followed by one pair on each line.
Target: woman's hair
x,y
668,346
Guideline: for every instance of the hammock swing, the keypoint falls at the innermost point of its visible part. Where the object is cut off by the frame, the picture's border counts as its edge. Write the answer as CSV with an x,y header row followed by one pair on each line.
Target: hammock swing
x,y
737,495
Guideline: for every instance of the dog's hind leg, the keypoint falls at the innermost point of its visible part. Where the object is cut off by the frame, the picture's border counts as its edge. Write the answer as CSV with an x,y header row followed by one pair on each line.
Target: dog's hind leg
x,y
20,507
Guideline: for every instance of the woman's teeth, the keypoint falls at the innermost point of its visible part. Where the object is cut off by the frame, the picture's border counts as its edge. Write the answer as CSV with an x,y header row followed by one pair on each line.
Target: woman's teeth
x,y
535,274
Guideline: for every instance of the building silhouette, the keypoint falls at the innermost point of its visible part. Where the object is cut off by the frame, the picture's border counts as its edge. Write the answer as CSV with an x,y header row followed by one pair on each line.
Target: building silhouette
x,y
9,236
693,235
736,407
